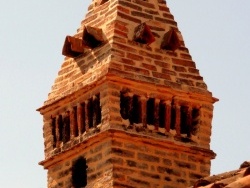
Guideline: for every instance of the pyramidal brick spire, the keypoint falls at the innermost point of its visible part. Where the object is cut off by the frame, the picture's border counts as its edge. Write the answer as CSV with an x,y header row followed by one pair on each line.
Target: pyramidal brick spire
x,y
128,108
139,41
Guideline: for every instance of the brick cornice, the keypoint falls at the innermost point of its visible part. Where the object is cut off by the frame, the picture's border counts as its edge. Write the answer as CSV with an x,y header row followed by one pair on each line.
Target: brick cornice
x,y
53,104
112,134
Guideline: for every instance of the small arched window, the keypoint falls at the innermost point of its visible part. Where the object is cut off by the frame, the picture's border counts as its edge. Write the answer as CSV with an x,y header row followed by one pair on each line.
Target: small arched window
x,y
79,173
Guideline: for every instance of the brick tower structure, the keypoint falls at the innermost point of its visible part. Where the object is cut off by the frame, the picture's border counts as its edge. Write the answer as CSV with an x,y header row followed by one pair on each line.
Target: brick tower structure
x,y
128,108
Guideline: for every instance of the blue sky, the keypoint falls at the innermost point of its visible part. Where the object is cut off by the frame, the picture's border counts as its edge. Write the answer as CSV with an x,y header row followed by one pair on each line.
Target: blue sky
x,y
31,38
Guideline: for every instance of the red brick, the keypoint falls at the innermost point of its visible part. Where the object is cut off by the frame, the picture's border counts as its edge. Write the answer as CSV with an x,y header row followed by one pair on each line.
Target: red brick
x,y
179,69
153,12
134,146
162,64
184,62
134,57
69,74
190,76
186,56
167,21
193,70
201,85
169,171
160,75
148,79
142,15
169,72
66,70
182,48
120,39
136,70
154,56
121,26
144,3
111,11
90,7
99,22
121,33
99,8
118,52
123,47
130,18
147,157
65,64
138,182
123,152
149,67
162,2
185,81
89,19
130,5
164,8
168,16
59,79
121,73
128,61
115,66
122,9
154,28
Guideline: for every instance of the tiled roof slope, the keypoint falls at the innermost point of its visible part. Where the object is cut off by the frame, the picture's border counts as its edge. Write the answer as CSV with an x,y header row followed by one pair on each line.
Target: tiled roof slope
x,y
124,57
235,179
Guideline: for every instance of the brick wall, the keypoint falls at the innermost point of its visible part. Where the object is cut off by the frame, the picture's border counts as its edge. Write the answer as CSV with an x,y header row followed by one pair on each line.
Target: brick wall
x,y
143,162
98,156
131,161
110,103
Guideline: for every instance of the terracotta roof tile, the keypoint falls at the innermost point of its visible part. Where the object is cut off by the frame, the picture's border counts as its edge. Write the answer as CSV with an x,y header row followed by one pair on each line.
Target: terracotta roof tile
x,y
234,179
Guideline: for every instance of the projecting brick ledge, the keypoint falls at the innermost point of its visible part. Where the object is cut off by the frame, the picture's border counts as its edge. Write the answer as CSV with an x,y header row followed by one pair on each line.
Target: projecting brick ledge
x,y
130,140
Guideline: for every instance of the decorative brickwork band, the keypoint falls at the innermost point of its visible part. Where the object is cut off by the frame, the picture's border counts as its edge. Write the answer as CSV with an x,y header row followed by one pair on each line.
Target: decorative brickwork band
x,y
164,114
75,121
92,37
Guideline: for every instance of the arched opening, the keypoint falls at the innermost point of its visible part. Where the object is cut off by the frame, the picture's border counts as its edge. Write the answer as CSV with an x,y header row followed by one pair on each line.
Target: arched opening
x,y
79,173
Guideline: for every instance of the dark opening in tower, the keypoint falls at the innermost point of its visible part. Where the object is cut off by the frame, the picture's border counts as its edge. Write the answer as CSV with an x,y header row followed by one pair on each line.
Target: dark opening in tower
x,y
79,173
